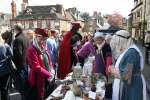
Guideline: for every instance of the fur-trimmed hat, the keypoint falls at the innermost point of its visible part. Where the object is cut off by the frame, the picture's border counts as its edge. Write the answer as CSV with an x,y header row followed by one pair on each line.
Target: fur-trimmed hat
x,y
42,32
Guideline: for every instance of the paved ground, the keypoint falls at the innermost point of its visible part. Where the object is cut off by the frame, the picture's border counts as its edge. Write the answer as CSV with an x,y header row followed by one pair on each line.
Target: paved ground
x,y
146,72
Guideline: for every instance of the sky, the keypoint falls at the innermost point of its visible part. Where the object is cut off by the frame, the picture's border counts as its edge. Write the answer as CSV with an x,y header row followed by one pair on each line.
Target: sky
x,y
104,6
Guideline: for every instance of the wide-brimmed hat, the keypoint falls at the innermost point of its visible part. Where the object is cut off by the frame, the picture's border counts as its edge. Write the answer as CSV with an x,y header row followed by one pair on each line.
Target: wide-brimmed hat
x,y
123,34
42,32
99,34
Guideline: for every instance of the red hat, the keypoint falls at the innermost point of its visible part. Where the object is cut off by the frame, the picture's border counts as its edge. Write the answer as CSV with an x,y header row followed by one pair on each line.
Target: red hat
x,y
76,25
42,32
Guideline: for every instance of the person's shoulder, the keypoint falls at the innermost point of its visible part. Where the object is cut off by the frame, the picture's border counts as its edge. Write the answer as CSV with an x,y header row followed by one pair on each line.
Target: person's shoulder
x,y
68,32
6,45
48,40
51,39
132,51
87,43
21,37
106,45
31,48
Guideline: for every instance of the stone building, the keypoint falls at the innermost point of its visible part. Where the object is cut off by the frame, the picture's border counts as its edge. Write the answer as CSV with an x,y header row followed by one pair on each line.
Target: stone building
x,y
74,15
137,15
47,16
148,14
4,21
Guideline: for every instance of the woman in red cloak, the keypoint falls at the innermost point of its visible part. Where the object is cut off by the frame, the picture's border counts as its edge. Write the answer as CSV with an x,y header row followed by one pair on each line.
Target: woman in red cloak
x,y
65,52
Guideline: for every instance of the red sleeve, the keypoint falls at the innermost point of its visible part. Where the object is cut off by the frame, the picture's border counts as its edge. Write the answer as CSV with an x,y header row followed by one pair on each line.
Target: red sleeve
x,y
35,63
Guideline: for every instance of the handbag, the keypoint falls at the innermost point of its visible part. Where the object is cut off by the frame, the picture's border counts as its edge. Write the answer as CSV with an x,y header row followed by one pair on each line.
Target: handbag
x,y
4,67
5,64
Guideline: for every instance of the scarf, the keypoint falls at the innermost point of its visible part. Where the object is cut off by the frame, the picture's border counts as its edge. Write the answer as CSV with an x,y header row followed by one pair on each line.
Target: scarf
x,y
100,47
43,53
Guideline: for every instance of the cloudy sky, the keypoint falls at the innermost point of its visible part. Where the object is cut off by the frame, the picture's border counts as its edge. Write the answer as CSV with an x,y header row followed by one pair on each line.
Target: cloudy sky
x,y
104,6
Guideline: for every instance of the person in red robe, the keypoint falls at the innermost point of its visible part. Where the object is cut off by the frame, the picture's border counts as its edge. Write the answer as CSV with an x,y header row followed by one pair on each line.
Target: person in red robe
x,y
41,71
66,55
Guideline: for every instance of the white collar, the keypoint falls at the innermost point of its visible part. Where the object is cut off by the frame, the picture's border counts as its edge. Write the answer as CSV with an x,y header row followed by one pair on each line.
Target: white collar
x,y
136,48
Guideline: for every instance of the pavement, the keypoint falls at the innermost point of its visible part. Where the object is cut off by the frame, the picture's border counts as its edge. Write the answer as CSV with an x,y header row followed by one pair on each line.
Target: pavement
x,y
146,71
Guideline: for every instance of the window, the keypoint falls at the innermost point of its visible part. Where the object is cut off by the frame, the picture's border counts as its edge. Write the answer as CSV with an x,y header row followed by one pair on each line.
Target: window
x,y
26,24
135,3
44,24
138,14
148,7
48,23
35,24
39,24
52,24
30,24
135,16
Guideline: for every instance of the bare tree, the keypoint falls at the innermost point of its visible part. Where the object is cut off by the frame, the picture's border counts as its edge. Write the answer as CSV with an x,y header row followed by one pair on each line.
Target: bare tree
x,y
85,16
115,19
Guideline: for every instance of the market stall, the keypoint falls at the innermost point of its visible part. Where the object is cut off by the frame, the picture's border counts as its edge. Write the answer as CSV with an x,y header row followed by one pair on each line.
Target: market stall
x,y
83,89
81,84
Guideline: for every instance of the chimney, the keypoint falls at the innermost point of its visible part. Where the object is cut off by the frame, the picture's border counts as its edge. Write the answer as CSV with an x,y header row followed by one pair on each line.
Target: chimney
x,y
24,5
13,9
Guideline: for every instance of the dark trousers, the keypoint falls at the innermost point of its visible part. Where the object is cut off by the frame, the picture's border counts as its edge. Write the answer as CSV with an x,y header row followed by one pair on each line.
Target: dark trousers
x,y
19,80
3,87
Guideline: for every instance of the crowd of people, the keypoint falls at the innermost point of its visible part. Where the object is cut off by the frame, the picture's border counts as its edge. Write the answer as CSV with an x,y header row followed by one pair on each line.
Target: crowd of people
x,y
42,58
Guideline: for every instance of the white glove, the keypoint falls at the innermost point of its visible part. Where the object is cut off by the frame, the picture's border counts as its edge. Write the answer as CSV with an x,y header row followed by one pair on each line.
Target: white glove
x,y
53,71
51,78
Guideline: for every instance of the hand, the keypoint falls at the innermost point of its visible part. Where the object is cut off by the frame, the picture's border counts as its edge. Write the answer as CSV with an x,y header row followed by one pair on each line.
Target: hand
x,y
53,71
113,71
110,69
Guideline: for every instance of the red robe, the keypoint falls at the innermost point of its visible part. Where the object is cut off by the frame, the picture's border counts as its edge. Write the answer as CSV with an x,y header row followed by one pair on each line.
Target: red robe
x,y
64,57
38,71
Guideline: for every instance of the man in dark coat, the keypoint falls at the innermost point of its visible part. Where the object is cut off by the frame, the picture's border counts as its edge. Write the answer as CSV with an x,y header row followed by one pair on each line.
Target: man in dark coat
x,y
19,47
19,58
